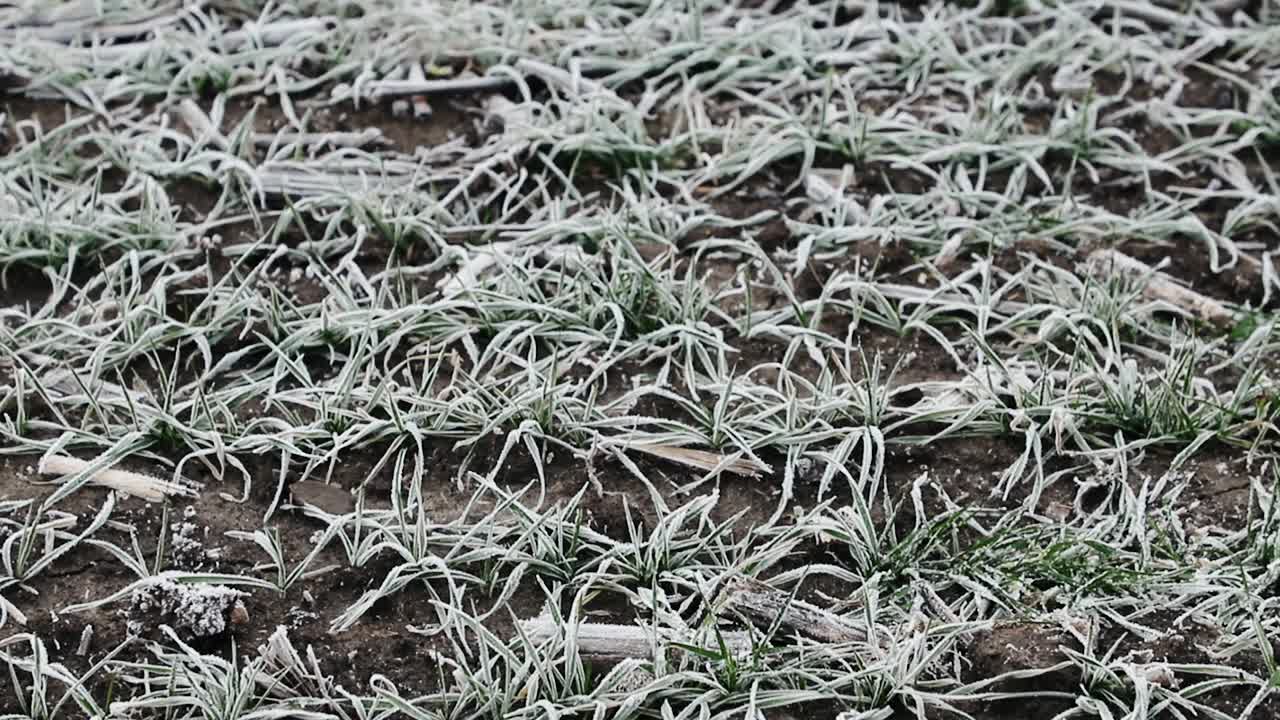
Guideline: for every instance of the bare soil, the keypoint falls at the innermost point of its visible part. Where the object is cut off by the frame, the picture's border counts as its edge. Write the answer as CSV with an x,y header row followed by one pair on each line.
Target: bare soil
x,y
384,644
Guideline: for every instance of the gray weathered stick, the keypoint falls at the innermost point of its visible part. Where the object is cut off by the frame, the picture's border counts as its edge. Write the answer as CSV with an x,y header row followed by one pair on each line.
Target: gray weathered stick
x,y
612,643
1159,286
368,136
764,605
277,33
327,178
700,459
378,89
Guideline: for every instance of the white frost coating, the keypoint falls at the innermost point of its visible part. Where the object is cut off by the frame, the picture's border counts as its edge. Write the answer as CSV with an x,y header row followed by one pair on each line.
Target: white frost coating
x,y
198,610
151,489
187,547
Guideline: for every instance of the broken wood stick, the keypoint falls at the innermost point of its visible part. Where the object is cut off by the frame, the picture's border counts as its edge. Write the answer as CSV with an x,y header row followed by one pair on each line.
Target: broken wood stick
x,y
763,606
1160,286
368,136
603,642
378,89
701,459
297,179
278,32
151,489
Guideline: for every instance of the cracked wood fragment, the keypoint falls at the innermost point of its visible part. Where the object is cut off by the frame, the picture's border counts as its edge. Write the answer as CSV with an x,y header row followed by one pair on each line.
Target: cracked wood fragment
x,y
764,605
1159,286
701,459
604,642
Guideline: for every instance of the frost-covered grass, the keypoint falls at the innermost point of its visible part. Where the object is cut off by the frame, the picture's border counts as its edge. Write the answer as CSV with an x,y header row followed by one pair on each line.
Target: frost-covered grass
x,y
582,278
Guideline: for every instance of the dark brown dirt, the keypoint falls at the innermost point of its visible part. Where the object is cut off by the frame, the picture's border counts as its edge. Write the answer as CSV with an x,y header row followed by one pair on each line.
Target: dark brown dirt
x,y
968,467
23,286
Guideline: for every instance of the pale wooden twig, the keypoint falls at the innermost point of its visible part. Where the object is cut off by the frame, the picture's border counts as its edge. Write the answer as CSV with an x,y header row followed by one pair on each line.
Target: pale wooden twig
x,y
368,136
277,33
764,605
1159,286
758,603
330,178
151,489
379,89
701,459
604,642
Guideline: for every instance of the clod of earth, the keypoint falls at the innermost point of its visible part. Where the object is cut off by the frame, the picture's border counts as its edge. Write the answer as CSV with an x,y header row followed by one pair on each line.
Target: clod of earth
x,y
192,610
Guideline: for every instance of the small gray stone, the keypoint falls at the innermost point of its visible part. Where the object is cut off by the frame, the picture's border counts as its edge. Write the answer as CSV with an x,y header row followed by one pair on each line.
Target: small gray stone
x,y
330,498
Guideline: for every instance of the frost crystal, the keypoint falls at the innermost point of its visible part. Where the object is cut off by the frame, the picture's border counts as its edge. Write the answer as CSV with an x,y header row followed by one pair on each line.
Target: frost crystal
x,y
195,610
